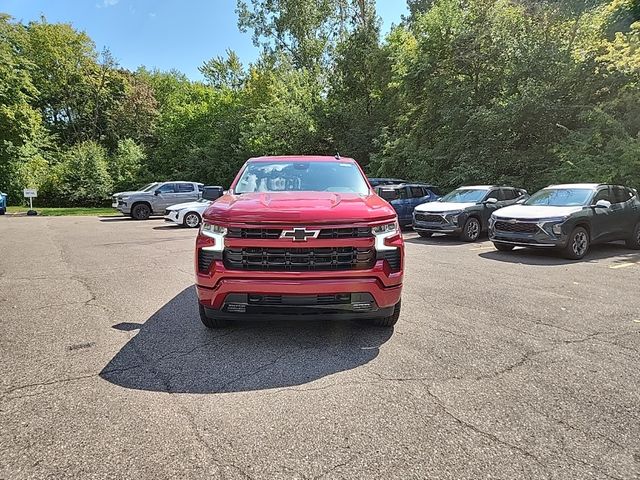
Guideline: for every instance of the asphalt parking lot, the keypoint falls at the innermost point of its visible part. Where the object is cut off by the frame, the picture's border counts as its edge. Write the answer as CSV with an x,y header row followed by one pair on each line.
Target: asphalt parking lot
x,y
503,366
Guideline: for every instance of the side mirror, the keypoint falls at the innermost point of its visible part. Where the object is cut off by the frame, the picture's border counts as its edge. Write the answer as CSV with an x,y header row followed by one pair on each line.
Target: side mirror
x,y
212,193
157,192
521,200
491,201
602,204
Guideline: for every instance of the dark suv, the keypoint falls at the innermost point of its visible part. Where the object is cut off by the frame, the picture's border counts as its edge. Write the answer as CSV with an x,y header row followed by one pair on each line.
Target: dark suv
x,y
406,197
465,211
570,218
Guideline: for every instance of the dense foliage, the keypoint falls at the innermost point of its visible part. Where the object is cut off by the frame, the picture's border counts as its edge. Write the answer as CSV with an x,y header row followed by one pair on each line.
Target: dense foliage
x,y
462,91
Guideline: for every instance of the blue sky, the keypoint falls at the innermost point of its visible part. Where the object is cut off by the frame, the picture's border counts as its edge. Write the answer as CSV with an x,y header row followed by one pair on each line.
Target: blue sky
x,y
163,34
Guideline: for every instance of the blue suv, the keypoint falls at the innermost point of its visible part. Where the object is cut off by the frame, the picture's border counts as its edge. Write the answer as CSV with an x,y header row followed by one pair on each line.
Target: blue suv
x,y
407,196
3,203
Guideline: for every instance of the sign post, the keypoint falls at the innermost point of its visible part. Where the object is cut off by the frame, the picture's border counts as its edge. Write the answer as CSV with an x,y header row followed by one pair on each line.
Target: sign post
x,y
30,193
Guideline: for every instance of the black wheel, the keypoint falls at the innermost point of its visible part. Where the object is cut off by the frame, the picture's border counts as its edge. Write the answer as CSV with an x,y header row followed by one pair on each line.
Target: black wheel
x,y
141,211
191,220
389,321
211,321
633,241
425,234
577,245
471,230
503,247
2,211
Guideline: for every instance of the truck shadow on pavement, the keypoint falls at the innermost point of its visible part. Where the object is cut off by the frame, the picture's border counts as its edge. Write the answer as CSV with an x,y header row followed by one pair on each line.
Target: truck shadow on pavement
x,y
173,352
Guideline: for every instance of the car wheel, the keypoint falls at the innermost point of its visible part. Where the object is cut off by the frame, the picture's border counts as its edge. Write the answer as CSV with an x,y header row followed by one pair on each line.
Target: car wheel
x,y
633,241
211,321
389,321
191,220
578,244
2,211
503,247
471,230
141,211
425,234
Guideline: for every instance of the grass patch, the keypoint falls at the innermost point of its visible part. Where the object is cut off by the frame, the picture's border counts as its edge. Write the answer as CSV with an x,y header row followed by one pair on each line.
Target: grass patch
x,y
59,212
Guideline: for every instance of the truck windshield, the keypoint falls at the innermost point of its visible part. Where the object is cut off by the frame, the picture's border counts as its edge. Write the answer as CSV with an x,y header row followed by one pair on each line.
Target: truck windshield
x,y
330,176
148,187
465,195
561,197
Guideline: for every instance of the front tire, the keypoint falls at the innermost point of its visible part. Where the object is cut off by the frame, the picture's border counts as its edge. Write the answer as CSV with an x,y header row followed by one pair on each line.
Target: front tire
x,y
633,242
425,234
577,245
211,321
389,321
503,247
2,211
471,230
191,220
141,211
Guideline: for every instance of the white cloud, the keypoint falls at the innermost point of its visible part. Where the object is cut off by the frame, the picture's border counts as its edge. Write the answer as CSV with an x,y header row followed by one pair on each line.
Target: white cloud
x,y
107,3
152,14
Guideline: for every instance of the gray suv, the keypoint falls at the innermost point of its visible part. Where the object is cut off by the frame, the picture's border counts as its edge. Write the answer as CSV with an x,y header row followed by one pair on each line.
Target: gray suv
x,y
154,198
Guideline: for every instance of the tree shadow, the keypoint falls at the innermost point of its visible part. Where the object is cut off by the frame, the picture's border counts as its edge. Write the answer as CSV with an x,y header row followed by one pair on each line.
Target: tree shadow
x,y
173,352
549,257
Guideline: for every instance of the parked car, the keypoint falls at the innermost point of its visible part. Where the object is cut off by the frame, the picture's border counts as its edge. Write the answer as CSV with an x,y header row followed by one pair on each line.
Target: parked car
x,y
301,235
465,211
405,197
155,198
385,181
570,218
3,203
190,214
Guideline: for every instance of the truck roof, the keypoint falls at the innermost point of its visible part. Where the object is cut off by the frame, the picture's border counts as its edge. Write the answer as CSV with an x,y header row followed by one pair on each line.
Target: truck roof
x,y
301,158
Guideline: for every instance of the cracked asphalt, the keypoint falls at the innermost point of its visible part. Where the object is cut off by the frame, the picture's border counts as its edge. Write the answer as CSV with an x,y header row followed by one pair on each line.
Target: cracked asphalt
x,y
503,365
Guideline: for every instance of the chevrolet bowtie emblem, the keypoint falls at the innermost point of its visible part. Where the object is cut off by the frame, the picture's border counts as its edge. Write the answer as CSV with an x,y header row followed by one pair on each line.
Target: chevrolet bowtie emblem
x,y
300,234
513,220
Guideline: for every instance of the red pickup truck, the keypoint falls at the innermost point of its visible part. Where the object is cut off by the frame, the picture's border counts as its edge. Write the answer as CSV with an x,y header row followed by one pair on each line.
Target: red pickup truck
x,y
301,235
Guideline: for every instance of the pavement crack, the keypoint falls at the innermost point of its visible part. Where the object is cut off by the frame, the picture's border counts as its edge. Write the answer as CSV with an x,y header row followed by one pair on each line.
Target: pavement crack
x,y
490,436
335,467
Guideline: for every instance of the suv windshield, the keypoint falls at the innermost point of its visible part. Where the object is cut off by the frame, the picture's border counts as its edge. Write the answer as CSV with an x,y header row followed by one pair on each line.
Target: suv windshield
x,y
330,176
561,197
465,195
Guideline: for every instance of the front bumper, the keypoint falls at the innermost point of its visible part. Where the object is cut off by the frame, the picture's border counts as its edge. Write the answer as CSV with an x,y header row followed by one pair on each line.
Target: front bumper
x,y
431,227
539,239
334,306
172,216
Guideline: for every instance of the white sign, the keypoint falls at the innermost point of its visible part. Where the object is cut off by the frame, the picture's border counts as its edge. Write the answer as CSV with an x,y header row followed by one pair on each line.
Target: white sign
x,y
30,193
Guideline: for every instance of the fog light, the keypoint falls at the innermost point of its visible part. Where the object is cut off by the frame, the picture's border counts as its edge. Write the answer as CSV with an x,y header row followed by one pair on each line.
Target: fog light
x,y
557,229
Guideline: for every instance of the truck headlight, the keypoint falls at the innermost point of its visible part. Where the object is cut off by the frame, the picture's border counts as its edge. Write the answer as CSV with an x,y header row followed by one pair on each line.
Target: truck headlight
x,y
216,233
383,233
212,230
387,228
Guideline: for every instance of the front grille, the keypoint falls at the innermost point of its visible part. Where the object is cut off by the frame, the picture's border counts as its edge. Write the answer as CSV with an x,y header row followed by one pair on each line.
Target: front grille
x,y
299,259
392,257
265,233
427,217
356,232
321,299
205,259
519,227
273,233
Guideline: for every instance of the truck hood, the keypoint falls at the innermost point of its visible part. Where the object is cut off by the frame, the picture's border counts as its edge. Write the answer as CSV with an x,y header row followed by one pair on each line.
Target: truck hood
x,y
439,207
299,207
198,206
529,212
128,194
